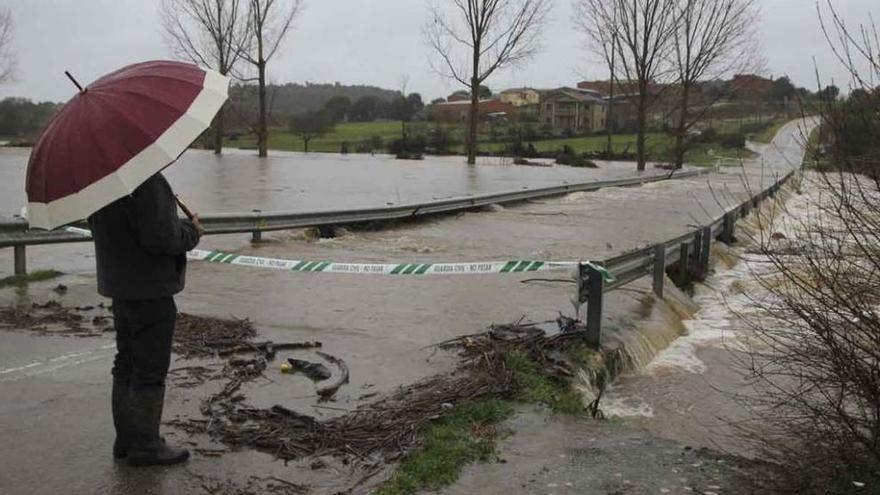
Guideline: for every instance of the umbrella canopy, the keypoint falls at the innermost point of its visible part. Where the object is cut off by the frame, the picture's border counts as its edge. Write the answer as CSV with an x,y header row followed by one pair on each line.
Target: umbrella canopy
x,y
115,134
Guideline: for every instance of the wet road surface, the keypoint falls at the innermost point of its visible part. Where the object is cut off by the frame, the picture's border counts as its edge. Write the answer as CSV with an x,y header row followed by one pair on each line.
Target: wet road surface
x,y
57,410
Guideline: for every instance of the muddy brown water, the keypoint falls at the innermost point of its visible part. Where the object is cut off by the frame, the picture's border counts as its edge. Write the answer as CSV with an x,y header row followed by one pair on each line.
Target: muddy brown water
x,y
238,181
56,389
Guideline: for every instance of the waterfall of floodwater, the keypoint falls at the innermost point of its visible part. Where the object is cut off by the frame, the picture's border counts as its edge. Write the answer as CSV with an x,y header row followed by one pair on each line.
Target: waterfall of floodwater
x,y
711,316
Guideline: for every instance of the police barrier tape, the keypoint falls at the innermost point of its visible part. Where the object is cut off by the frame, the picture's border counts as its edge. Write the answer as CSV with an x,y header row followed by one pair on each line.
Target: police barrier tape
x,y
472,268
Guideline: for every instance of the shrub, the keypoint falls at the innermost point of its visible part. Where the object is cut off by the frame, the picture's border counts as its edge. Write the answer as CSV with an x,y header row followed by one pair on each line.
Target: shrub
x,y
732,140
413,144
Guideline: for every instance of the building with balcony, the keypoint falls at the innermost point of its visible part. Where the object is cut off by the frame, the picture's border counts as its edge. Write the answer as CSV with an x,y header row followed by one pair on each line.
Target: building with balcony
x,y
573,110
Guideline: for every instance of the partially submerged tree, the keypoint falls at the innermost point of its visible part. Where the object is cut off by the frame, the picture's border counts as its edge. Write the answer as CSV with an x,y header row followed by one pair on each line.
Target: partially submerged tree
x,y
7,57
311,125
640,33
269,22
475,38
207,33
404,107
713,38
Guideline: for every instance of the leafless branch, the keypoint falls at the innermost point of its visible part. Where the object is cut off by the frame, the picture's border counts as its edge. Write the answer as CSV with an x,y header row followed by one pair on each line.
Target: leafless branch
x,y
713,38
7,57
641,33
472,39
269,22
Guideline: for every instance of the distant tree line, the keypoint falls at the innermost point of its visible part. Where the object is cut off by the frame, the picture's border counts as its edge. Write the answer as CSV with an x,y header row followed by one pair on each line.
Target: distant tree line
x,y
316,123
22,118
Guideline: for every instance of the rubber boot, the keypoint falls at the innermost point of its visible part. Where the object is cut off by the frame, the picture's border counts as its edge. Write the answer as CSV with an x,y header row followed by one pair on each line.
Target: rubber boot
x,y
119,406
148,448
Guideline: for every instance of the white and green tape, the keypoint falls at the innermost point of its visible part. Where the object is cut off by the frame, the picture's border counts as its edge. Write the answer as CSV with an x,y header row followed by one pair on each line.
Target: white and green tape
x,y
400,269
396,269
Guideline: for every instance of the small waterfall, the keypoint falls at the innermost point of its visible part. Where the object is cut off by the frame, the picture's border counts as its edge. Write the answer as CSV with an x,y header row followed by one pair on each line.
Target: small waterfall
x,y
653,335
631,342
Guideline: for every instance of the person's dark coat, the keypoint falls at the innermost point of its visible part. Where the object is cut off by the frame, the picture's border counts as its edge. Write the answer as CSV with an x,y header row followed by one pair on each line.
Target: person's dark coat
x,y
141,244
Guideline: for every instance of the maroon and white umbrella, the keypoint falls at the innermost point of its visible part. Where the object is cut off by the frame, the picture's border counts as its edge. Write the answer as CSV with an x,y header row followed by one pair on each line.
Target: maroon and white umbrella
x,y
115,134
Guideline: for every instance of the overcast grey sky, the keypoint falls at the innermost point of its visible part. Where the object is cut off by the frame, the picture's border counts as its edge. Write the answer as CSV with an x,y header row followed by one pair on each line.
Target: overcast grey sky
x,y
358,42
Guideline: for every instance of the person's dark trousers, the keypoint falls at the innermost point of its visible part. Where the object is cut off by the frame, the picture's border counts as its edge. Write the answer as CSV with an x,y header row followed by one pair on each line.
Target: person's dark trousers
x,y
144,333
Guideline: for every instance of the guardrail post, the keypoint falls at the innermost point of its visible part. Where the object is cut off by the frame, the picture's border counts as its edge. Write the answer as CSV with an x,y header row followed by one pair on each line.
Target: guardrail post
x,y
20,255
697,255
596,287
259,221
591,285
705,248
659,269
728,232
683,275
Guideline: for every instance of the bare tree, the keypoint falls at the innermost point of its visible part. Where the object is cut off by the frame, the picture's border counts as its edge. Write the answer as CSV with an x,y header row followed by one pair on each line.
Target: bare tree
x,y
7,57
640,33
311,125
474,38
269,22
713,38
205,32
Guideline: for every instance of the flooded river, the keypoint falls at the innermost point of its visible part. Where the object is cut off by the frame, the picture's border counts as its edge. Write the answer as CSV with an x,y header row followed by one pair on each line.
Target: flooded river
x,y
239,181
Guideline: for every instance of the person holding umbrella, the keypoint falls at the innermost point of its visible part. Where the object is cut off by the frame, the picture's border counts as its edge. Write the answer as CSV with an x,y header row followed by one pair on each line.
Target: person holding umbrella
x,y
100,158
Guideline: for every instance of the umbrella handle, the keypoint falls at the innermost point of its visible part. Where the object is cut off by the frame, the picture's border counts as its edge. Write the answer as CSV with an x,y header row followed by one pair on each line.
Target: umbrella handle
x,y
186,211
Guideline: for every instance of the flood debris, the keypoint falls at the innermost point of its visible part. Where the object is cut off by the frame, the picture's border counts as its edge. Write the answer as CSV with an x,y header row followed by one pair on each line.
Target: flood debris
x,y
389,427
52,318
314,371
255,486
330,390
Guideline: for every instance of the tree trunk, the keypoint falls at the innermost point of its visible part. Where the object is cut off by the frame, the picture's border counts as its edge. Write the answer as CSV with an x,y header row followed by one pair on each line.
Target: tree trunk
x,y
262,130
475,104
218,131
609,116
473,119
306,144
641,123
680,131
403,134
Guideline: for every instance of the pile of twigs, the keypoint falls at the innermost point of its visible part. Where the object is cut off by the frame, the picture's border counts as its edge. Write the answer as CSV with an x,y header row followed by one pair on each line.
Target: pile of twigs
x,y
203,337
389,427
51,318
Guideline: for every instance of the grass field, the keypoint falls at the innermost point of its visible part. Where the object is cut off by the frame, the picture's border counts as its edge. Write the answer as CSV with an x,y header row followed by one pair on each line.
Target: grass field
x,y
769,133
658,144
659,147
350,132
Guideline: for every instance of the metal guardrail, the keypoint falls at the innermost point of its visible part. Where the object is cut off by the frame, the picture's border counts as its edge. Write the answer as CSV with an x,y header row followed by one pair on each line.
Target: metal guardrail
x,y
686,256
14,232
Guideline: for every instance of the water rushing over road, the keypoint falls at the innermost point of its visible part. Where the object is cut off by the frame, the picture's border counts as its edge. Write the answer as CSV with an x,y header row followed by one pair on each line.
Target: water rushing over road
x,y
687,391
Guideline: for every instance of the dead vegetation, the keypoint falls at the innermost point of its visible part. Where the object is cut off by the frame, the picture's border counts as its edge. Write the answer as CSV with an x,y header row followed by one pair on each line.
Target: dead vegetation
x,y
51,318
388,428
